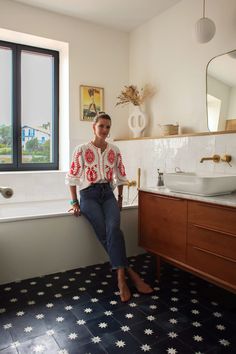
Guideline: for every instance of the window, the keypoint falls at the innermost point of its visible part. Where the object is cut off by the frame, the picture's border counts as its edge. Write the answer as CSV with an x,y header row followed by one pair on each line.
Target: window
x,y
29,92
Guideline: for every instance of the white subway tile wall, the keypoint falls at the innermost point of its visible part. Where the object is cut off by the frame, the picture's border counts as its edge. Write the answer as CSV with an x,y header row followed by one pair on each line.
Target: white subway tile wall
x,y
34,186
148,154
182,152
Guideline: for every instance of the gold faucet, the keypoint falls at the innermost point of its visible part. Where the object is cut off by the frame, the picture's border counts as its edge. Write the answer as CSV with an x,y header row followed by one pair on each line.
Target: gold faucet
x,y
130,184
226,158
139,177
214,158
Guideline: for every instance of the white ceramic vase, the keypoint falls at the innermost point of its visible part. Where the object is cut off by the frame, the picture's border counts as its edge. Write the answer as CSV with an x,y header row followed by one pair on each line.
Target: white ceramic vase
x,y
137,122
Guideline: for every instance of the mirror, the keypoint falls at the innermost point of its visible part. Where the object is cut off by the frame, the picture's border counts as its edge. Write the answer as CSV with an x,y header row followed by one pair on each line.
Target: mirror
x,y
221,92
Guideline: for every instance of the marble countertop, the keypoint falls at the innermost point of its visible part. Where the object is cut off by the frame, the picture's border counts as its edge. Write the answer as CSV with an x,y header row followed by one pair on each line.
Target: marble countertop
x,y
226,199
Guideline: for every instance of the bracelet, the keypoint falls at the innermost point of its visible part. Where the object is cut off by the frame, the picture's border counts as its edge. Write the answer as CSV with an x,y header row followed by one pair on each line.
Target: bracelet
x,y
74,202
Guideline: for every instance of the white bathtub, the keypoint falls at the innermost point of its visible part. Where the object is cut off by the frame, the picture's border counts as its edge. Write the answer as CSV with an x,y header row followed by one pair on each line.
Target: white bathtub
x,y
38,209
32,210
39,238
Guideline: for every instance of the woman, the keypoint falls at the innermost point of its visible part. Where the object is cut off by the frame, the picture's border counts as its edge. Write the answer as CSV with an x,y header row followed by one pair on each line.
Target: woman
x,y
97,169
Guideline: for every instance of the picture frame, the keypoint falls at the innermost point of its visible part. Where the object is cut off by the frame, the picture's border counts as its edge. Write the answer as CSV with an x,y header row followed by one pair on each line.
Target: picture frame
x,y
91,101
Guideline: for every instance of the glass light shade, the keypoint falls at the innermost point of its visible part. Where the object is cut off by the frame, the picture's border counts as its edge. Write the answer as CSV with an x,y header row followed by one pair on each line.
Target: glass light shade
x,y
205,30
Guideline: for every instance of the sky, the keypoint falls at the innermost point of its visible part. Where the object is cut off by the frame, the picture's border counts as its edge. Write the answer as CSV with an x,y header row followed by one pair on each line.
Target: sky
x,y
36,88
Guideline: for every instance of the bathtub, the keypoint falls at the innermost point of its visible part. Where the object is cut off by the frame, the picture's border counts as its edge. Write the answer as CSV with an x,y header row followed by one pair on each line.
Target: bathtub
x,y
33,210
39,238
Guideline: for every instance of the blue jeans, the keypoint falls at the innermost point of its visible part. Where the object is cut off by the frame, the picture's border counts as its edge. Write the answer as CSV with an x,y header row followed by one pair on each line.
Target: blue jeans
x,y
99,205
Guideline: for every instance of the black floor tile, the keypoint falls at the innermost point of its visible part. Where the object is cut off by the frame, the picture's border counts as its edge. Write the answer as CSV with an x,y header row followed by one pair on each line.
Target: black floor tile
x,y
42,344
103,325
152,307
197,339
91,348
120,342
171,347
147,333
72,337
88,311
129,316
195,312
5,336
173,321
9,350
79,311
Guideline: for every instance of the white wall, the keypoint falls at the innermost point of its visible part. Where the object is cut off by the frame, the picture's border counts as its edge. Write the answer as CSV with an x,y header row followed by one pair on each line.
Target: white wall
x,y
221,91
232,104
97,56
165,53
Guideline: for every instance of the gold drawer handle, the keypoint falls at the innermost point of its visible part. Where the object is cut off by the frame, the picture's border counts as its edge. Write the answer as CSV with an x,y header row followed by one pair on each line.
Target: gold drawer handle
x,y
215,254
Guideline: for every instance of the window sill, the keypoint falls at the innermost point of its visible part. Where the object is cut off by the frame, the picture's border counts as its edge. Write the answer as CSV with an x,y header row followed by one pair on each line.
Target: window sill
x,y
32,172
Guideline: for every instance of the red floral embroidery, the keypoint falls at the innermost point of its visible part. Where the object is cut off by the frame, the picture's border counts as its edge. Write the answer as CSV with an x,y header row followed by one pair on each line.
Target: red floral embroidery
x,y
75,165
109,173
91,174
89,156
111,156
121,167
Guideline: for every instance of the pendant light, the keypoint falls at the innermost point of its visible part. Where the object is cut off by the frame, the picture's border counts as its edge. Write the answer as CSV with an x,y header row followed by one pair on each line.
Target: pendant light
x,y
205,28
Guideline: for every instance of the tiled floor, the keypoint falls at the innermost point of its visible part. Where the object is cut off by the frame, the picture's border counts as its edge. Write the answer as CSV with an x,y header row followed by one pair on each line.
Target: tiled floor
x,y
80,312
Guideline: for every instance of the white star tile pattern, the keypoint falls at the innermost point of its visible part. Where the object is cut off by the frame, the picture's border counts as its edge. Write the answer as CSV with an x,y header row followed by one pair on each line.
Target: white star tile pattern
x,y
79,311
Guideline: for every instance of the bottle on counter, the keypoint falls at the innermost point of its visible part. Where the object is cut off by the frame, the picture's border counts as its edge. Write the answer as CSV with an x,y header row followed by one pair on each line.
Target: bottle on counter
x,y
160,180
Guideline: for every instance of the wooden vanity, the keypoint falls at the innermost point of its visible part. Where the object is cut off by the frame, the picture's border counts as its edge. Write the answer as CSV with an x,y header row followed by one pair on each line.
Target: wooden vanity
x,y
196,235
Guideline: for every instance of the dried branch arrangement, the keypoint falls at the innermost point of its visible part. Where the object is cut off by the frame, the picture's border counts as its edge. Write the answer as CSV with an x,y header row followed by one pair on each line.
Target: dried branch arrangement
x,y
131,94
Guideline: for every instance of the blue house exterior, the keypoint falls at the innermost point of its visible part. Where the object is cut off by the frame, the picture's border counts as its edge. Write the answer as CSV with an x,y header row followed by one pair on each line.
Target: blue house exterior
x,y
28,133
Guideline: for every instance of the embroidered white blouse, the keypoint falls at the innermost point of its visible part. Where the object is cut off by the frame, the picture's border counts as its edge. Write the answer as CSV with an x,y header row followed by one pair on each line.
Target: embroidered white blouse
x,y
90,165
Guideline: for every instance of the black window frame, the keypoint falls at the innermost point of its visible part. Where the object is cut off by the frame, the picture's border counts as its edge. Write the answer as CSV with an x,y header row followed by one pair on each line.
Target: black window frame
x,y
17,164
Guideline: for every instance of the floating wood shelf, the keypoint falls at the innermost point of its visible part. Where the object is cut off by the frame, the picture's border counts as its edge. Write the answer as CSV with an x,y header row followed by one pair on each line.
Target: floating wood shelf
x,y
177,136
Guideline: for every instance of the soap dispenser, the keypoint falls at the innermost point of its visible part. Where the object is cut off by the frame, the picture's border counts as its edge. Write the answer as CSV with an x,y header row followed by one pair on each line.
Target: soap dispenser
x,y
160,181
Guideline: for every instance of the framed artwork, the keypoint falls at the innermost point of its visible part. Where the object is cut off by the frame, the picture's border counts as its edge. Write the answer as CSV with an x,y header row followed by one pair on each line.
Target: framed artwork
x,y
91,101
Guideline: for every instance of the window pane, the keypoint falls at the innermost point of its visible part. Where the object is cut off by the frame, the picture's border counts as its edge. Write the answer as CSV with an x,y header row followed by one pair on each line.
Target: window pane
x,y
6,141
36,107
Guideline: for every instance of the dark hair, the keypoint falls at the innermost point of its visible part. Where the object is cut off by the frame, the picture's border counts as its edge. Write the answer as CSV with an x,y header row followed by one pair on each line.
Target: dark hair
x,y
102,115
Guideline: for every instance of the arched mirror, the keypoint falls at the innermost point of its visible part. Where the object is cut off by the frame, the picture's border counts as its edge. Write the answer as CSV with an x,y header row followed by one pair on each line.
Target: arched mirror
x,y
221,92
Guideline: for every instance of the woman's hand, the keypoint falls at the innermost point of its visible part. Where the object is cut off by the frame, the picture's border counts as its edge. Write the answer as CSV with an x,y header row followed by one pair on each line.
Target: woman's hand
x,y
120,202
76,209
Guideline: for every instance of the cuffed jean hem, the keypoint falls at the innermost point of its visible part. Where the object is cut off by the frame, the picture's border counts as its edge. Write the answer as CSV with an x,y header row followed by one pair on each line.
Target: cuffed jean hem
x,y
113,268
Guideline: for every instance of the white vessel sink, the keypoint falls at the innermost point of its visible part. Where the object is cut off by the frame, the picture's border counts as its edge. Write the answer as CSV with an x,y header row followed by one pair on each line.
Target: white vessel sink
x,y
199,184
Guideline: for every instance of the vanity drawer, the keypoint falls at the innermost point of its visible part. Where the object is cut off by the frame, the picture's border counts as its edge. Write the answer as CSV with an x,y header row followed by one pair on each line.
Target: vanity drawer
x,y
163,225
213,264
215,217
215,241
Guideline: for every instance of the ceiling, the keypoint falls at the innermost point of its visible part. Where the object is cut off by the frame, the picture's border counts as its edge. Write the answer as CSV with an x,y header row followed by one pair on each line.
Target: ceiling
x,y
123,15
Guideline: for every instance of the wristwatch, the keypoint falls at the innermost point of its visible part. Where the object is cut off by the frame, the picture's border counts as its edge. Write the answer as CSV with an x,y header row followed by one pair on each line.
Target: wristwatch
x,y
74,202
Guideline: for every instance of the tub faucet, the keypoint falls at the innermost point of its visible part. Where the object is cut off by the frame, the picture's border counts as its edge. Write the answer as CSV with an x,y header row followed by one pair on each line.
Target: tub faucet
x,y
130,183
6,192
214,158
